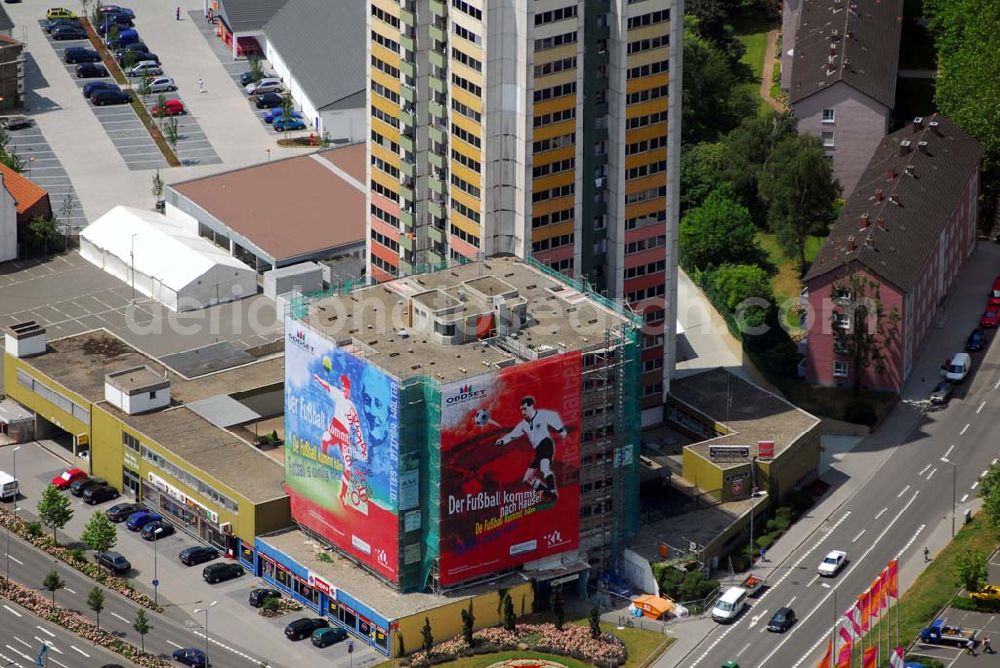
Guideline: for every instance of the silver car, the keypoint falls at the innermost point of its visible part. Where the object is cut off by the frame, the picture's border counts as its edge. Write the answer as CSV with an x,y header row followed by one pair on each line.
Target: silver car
x,y
162,85
147,68
267,85
942,393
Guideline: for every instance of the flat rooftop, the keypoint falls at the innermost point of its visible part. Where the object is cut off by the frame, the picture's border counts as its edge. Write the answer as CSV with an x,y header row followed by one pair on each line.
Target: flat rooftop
x,y
79,364
751,413
345,574
372,322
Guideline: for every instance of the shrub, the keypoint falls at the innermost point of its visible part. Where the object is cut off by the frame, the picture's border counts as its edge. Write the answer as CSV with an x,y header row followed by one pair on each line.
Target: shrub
x,y
765,541
35,529
860,412
975,605
741,562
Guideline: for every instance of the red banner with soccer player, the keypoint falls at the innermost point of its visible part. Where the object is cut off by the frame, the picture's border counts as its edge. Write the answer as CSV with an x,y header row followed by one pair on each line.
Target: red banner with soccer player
x,y
510,467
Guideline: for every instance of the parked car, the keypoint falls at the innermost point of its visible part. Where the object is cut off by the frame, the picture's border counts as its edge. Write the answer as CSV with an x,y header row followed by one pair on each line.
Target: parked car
x,y
191,656
137,520
157,530
104,97
270,115
99,494
942,392
977,340
79,486
221,572
80,54
989,594
121,511
116,10
991,317
108,26
261,594
832,563
265,85
16,122
67,478
144,68
957,368
247,78
124,38
170,108
114,562
162,85
92,87
269,101
285,124
328,636
90,71
141,55
303,627
68,32
995,292
61,23
781,620
59,13
197,554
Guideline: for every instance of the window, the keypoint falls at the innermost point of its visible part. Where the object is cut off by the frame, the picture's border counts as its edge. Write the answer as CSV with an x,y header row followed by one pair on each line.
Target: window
x,y
462,6
555,15
827,140
130,441
840,369
842,320
829,115
467,34
554,41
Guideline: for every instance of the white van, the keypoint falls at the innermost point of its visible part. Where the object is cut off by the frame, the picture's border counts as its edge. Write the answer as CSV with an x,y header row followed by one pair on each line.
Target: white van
x,y
958,368
8,486
730,604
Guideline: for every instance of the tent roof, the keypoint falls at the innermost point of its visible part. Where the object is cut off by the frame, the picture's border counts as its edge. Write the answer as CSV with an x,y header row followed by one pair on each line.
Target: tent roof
x,y
162,250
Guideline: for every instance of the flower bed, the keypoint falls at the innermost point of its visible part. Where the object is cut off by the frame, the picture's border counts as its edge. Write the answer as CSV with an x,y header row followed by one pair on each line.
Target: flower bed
x,y
572,640
284,607
78,624
70,557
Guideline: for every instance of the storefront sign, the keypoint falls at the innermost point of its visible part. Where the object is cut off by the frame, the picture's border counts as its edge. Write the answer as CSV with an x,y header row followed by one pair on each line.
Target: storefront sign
x,y
181,497
409,490
729,452
130,461
765,450
318,583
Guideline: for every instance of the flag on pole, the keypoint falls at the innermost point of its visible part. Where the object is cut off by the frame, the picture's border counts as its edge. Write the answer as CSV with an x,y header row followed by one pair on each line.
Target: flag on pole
x,y
884,588
865,604
825,662
845,631
844,655
870,658
875,592
895,659
892,579
853,616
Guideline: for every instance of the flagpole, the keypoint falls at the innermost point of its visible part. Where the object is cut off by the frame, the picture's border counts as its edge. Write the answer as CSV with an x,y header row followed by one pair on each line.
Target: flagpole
x,y
833,631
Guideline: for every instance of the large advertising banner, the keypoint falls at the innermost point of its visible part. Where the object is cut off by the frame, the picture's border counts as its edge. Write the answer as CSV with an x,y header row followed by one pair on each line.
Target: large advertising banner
x,y
342,448
510,467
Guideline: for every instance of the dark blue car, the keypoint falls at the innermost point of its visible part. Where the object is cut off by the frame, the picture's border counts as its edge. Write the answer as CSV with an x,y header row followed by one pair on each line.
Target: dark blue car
x,y
136,521
977,340
191,656
93,86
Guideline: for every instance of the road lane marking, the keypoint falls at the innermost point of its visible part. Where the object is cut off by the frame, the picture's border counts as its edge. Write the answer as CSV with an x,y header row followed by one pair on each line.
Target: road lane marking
x,y
822,604
931,474
907,488
77,649
46,632
175,644
824,585
997,386
983,474
881,512
995,460
962,500
69,590
12,611
910,542
790,601
28,645
948,451
55,660
49,644
975,485
743,650
755,619
15,560
20,653
224,646
115,614
859,535
922,471
981,406
964,429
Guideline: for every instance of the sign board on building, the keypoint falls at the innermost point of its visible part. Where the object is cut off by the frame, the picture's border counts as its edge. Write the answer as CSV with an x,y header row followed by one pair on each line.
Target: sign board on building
x,y
737,486
318,583
728,452
765,450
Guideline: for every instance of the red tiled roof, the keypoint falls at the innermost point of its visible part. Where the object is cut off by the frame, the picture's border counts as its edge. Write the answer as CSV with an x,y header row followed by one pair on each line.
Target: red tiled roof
x,y
25,193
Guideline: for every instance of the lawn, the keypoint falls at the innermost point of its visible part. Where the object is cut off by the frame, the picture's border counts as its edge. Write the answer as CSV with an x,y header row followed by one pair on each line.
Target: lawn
x,y
644,647
484,660
787,283
751,31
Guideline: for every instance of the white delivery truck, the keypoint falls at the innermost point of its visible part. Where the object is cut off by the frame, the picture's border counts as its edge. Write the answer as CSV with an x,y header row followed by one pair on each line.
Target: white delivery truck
x,y
8,486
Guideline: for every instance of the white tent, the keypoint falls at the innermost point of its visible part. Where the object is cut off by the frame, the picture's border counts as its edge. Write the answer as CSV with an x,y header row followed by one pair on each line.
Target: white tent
x,y
165,261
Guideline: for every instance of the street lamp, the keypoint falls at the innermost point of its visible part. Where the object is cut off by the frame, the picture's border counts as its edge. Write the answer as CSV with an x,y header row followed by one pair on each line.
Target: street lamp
x,y
30,160
954,489
156,579
13,454
205,610
132,262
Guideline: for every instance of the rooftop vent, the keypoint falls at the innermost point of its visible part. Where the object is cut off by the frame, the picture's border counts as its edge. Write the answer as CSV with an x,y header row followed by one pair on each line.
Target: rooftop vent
x,y
894,199
864,220
918,123
890,173
935,127
878,195
24,339
922,146
905,146
852,243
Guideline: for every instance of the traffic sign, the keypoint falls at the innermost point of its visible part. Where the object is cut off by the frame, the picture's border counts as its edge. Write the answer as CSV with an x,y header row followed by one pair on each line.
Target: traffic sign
x,y
350,646
156,583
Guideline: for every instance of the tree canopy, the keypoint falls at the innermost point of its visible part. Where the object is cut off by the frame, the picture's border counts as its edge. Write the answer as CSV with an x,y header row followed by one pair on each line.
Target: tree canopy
x,y
749,148
735,284
702,171
713,100
719,231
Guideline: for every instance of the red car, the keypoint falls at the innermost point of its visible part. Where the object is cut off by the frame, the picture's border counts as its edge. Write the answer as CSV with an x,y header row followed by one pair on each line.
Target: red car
x,y
67,478
991,318
170,108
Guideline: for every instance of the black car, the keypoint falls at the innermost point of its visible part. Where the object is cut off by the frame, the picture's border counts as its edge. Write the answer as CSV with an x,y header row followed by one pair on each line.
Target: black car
x,y
191,656
103,97
247,78
157,530
80,54
62,23
941,394
68,32
303,627
221,572
99,494
269,101
977,340
140,55
91,71
197,554
120,22
80,486
114,562
120,511
258,596
781,620
92,87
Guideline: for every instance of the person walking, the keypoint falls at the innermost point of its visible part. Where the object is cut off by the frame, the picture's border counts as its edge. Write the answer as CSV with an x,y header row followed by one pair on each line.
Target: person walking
x,y
201,85
987,646
178,13
927,552
970,647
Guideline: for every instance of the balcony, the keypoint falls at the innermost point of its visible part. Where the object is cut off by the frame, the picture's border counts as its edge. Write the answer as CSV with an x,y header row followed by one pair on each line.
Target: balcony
x,y
405,193
406,219
436,186
408,93
406,118
436,134
436,109
436,209
406,241
407,42
436,58
406,143
406,17
438,33
435,235
407,68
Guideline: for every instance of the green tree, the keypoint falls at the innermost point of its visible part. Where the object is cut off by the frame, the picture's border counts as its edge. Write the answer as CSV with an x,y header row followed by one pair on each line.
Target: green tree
x,y
95,601
509,618
719,231
973,570
710,20
801,194
42,233
53,583
145,89
864,331
595,623
54,510
468,623
256,69
989,492
557,609
702,171
67,209
745,291
157,188
748,151
99,533
142,627
713,101
170,131
128,62
427,635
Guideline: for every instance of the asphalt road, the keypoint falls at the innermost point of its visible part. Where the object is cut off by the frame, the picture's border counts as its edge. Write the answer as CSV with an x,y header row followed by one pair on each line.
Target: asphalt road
x,y
22,635
29,566
906,498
